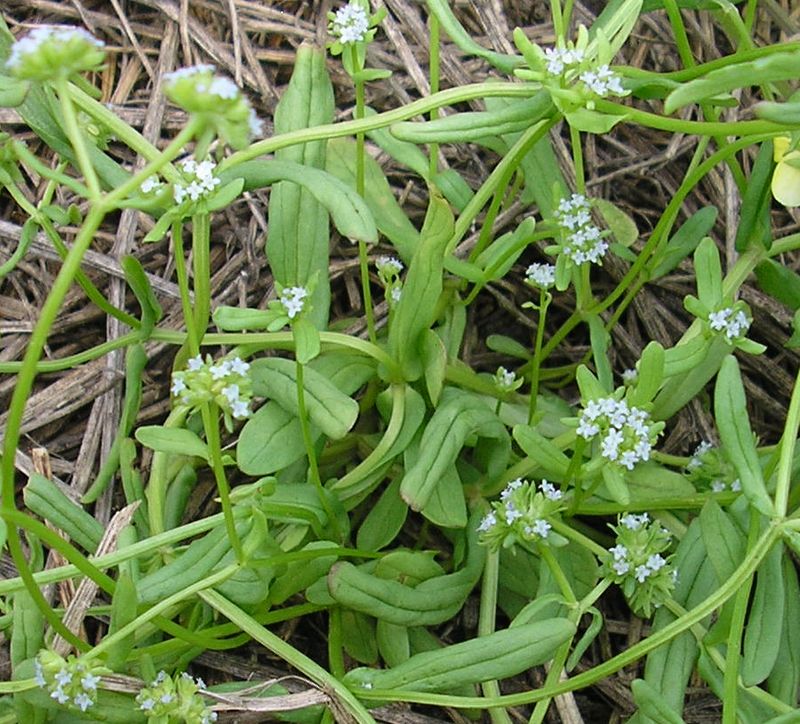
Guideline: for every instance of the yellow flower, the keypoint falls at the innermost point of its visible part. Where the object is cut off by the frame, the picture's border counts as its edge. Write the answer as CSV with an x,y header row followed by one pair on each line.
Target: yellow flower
x,y
786,178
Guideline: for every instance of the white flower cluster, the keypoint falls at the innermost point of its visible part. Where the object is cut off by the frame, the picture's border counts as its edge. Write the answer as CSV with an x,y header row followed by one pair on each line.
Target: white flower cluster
x,y
350,23
71,682
521,514
626,436
602,81
389,269
168,699
226,383
151,185
293,300
637,564
709,466
541,275
46,47
559,60
200,178
734,323
505,380
582,240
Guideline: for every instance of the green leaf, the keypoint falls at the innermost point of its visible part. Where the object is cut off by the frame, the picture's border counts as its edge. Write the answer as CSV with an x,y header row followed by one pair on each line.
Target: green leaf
x,y
754,221
384,520
416,311
348,210
175,440
762,636
434,357
453,187
769,69
12,91
407,154
393,643
332,411
498,258
588,121
271,440
684,241
140,285
161,227
599,339
514,116
542,452
358,637
780,282
298,236
730,411
507,346
650,375
652,704
391,220
785,676
447,507
622,226
463,39
306,340
708,271
458,417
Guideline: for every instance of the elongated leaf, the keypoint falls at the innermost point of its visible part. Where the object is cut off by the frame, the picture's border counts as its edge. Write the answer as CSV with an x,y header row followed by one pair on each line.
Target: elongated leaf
x,y
730,411
384,520
709,273
754,221
175,440
416,311
684,241
390,219
449,22
785,677
762,636
457,418
328,408
348,210
138,282
779,282
298,238
769,69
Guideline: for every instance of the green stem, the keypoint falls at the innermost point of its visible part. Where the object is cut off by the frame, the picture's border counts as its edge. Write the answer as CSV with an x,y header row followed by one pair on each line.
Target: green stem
x,y
787,447
340,694
19,397
366,292
536,360
577,159
158,481
486,626
679,31
201,271
308,442
434,41
192,336
210,414
335,648
558,574
76,139
734,643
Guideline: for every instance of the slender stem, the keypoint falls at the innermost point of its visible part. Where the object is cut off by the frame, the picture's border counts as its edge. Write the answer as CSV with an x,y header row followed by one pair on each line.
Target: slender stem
x,y
558,574
193,338
335,648
158,481
787,447
536,360
210,414
75,135
201,272
486,625
366,292
308,441
577,159
679,31
433,74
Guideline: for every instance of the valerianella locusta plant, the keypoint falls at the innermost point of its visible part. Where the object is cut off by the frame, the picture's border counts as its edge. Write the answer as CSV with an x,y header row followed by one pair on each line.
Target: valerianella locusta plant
x,y
50,52
637,564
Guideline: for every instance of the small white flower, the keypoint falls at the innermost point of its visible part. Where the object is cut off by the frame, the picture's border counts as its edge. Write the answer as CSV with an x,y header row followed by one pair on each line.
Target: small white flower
x,y
38,673
540,527
656,562
63,677
633,522
147,704
195,363
293,300
541,275
512,513
603,81
167,698
736,486
350,23
83,701
59,695
231,393
188,72
240,409
488,522
220,371
718,486
239,366
150,184
619,551
256,124
388,265
550,491
621,567
89,682
609,447
396,293
586,429
641,573
630,376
